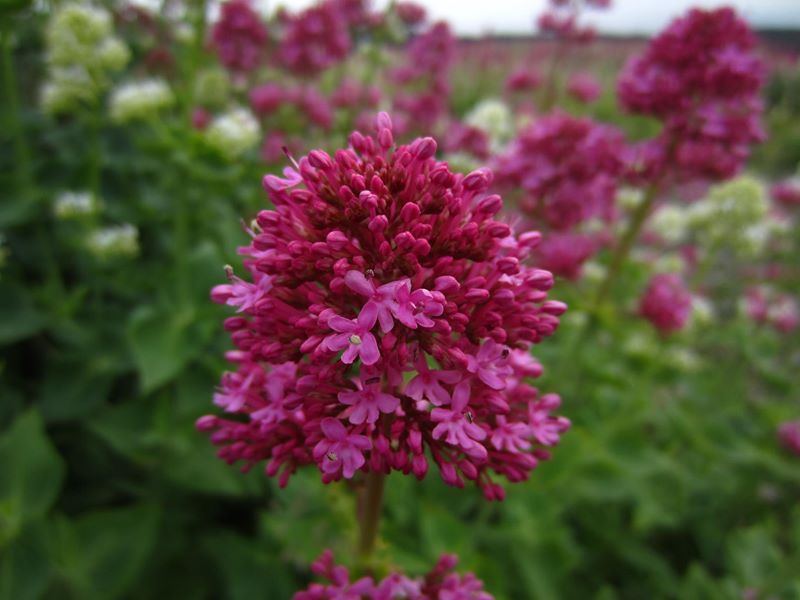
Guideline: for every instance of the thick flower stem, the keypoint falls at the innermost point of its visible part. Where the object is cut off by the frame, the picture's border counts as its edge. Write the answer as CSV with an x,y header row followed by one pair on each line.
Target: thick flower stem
x,y
623,249
14,125
370,504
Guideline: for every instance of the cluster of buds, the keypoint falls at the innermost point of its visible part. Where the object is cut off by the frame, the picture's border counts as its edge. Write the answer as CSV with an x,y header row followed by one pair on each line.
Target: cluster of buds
x,y
239,36
666,303
702,79
568,169
387,317
766,306
440,584
82,55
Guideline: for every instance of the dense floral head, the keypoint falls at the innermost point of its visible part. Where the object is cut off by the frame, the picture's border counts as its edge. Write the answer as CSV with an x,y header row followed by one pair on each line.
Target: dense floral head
x,y
239,36
568,169
387,313
315,39
666,303
440,584
701,77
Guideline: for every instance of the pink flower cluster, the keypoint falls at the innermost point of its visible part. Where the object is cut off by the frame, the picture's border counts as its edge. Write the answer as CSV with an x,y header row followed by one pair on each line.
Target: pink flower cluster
x,y
789,436
765,306
239,36
702,79
567,167
584,87
786,193
315,39
410,13
266,99
440,584
666,303
564,253
429,58
387,312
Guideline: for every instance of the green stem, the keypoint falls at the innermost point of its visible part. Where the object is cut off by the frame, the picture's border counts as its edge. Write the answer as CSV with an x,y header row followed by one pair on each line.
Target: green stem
x,y
180,247
94,153
370,503
623,249
23,166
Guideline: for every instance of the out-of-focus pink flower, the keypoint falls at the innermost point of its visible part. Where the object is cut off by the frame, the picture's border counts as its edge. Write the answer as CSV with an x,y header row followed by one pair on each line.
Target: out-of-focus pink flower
x,y
765,306
568,169
564,254
523,80
239,36
382,253
787,193
265,99
789,436
315,39
200,118
666,303
701,77
584,87
410,13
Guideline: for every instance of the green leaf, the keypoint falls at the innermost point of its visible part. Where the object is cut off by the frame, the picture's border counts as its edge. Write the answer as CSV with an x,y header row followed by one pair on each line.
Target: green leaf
x,y
18,317
103,553
162,342
30,477
25,565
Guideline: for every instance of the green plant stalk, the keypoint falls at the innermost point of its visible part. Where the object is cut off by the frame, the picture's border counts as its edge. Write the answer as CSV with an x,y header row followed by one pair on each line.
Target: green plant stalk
x,y
623,249
14,125
370,504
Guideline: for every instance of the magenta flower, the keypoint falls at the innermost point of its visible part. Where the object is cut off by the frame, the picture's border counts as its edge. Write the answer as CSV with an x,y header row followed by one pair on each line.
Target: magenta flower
x,y
441,583
702,78
428,383
666,302
368,402
355,335
383,254
789,436
544,427
340,451
239,36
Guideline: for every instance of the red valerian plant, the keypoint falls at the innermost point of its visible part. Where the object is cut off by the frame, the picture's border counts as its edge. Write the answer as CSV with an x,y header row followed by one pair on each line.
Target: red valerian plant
x,y
702,78
440,584
239,36
666,302
386,313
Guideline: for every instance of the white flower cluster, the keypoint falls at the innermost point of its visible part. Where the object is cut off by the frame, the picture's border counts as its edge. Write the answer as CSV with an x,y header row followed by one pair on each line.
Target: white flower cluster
x,y
114,241
140,100
495,118
734,215
82,54
233,133
73,205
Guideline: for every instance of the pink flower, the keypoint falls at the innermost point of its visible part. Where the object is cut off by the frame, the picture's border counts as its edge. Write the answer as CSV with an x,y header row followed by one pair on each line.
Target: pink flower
x,y
584,87
440,583
315,39
239,36
381,234
787,193
489,364
355,335
340,451
544,427
666,303
789,436
428,383
367,402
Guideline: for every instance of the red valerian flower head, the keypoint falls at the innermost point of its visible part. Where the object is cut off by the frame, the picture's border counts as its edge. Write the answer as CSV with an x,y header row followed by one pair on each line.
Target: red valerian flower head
x,y
440,584
387,318
666,302
239,36
568,169
702,78
315,39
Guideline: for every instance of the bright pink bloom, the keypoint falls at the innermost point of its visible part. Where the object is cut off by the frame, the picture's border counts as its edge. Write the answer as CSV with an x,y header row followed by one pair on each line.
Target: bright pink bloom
x,y
564,254
368,402
789,436
239,36
355,335
787,193
410,13
340,451
382,253
440,584
315,39
200,118
666,302
523,80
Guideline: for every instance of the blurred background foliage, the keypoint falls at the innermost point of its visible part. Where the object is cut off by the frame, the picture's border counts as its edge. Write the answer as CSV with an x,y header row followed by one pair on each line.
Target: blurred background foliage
x,y
671,483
